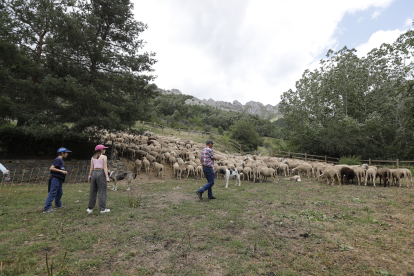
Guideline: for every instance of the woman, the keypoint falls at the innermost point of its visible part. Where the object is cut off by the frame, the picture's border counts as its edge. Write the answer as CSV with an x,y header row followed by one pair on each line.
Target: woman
x,y
98,177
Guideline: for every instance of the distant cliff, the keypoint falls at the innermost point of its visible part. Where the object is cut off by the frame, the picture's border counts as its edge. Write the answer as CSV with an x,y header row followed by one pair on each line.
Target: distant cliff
x,y
268,111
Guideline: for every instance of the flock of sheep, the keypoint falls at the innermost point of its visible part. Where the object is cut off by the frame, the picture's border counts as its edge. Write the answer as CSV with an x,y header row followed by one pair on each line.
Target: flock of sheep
x,y
153,152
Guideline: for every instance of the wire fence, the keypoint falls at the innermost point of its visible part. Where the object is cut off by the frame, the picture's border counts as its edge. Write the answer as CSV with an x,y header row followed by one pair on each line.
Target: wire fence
x,y
27,176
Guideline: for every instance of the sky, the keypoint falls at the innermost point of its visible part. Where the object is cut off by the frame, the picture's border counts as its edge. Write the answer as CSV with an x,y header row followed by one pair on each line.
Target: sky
x,y
254,50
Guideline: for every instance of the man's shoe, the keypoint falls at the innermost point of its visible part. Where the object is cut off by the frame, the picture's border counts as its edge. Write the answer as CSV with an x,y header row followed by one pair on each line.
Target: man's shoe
x,y
60,207
212,197
200,195
105,211
89,210
50,210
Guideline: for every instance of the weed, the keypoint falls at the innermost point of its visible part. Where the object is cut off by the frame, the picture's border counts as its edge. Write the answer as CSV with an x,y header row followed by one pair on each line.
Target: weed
x,y
134,200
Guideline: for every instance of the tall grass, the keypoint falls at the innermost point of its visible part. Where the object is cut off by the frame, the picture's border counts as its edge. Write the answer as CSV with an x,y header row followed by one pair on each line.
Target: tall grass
x,y
350,160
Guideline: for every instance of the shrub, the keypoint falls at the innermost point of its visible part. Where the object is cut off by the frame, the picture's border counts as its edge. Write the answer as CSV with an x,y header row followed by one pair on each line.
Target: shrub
x,y
220,130
350,160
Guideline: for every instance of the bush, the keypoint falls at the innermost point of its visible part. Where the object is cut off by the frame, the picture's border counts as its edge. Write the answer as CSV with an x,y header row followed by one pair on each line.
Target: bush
x,y
350,160
244,132
220,130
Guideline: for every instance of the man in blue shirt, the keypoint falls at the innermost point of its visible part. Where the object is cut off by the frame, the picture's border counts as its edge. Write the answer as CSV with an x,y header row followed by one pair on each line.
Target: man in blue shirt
x,y
57,177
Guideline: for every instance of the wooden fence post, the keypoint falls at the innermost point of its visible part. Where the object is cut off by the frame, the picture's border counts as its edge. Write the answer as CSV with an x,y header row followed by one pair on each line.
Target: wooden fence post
x,y
162,128
306,157
398,163
271,153
369,162
326,159
289,154
179,131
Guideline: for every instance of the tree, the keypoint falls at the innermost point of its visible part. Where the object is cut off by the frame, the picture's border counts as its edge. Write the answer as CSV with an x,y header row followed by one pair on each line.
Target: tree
x,y
245,133
354,106
78,68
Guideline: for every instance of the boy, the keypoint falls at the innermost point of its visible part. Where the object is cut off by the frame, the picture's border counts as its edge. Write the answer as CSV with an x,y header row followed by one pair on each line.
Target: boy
x,y
57,177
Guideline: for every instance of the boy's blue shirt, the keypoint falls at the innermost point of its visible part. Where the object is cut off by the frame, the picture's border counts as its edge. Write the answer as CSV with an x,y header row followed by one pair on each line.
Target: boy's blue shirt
x,y
60,165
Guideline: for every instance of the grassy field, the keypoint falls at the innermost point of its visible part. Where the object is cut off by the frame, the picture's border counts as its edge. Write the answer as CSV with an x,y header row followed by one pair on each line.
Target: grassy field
x,y
255,229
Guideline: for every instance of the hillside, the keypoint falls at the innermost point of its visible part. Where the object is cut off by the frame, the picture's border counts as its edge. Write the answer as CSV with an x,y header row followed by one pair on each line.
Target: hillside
x,y
268,111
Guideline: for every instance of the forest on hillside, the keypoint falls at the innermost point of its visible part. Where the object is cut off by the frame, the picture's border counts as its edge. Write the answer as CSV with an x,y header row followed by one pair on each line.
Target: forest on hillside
x,y
355,106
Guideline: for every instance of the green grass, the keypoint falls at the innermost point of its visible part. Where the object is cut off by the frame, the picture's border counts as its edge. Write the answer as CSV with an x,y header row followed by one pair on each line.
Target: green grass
x,y
249,230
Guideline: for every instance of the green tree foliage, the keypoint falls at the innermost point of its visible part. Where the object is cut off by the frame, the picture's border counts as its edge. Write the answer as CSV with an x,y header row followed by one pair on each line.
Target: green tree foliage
x,y
220,130
355,106
72,65
245,133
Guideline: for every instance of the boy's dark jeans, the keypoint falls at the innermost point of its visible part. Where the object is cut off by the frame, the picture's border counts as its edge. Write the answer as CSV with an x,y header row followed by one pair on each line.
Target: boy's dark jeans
x,y
209,173
55,193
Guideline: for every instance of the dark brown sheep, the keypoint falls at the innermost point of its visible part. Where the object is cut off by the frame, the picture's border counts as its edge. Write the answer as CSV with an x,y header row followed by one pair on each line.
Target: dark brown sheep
x,y
348,173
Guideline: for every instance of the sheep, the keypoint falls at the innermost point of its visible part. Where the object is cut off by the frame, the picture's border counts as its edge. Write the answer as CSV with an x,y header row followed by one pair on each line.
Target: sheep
x,y
360,174
146,165
306,168
175,169
397,174
284,168
370,173
138,165
159,168
348,173
385,175
199,172
331,172
267,172
190,170
247,172
151,158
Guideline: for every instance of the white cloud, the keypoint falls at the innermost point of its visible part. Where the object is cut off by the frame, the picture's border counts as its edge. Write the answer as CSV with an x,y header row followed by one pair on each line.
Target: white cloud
x,y
377,39
240,49
408,23
375,14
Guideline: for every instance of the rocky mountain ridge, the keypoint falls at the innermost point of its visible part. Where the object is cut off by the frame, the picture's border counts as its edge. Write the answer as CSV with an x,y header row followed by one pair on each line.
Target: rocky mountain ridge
x,y
268,111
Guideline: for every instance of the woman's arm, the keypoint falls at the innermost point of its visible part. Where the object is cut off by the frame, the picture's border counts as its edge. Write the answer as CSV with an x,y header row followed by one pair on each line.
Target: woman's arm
x,y
105,159
90,172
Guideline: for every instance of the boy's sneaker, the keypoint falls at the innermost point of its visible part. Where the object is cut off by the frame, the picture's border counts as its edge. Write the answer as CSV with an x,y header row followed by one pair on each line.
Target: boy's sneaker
x,y
89,210
105,211
50,210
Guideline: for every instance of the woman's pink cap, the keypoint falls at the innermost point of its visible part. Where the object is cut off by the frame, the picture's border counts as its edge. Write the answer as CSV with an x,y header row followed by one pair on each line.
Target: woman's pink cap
x,y
99,147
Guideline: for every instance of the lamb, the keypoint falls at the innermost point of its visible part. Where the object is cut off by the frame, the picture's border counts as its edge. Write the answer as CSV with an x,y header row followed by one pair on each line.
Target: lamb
x,y
348,173
138,165
331,172
146,165
247,172
159,168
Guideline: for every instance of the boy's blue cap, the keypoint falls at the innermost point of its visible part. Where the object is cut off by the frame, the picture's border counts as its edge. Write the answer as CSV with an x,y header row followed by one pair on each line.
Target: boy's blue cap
x,y
63,150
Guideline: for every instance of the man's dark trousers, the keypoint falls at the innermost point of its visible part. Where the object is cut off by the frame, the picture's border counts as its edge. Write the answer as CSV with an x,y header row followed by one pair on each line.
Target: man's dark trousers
x,y
209,173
